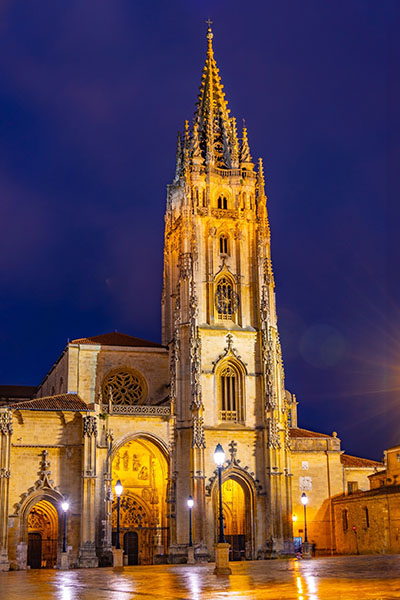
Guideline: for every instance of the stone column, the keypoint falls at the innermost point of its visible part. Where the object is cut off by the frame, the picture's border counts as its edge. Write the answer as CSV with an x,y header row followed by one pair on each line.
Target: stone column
x,y
5,452
87,552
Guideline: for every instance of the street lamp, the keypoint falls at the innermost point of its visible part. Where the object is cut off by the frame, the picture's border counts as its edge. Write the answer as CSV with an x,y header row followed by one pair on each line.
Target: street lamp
x,y
219,459
190,503
118,491
65,507
304,501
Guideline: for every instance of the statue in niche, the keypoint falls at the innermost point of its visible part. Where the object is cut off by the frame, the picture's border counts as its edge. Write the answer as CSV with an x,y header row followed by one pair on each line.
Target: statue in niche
x,y
143,474
117,461
125,460
146,494
135,463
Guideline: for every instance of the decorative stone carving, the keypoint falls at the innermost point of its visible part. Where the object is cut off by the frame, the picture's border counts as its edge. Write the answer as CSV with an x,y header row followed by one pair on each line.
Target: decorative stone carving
x,y
90,426
195,349
44,481
185,265
5,473
6,427
199,440
273,434
229,350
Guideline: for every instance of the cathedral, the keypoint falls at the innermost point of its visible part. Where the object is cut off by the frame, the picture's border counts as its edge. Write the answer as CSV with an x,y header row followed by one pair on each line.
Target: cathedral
x,y
115,408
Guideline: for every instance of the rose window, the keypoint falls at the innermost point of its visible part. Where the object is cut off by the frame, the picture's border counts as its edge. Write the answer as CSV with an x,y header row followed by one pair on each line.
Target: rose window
x,y
124,387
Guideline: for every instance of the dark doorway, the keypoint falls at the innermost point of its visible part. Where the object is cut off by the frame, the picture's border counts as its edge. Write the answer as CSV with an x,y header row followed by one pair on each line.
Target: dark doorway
x,y
238,546
34,550
131,547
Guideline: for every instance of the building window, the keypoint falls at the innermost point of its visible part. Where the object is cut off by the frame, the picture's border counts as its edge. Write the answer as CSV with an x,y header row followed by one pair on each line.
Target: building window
x,y
289,417
345,519
222,202
226,299
352,486
124,387
366,516
223,244
231,394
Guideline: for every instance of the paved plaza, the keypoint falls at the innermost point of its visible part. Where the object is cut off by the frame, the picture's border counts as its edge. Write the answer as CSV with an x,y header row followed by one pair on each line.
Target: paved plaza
x,y
337,578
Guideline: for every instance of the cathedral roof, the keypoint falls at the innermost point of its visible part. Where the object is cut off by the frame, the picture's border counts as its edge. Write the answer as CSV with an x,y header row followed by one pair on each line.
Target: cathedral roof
x,y
356,462
63,402
117,339
296,432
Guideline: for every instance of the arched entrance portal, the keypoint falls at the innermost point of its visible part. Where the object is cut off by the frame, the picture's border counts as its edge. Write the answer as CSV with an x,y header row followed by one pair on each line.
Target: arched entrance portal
x,y
42,536
143,470
237,510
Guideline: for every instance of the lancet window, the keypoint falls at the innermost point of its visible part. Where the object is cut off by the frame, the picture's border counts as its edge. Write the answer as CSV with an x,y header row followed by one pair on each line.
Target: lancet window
x,y
223,244
231,393
222,202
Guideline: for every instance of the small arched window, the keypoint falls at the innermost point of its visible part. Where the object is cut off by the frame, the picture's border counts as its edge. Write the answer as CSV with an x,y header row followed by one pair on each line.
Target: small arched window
x,y
223,244
231,394
60,386
222,202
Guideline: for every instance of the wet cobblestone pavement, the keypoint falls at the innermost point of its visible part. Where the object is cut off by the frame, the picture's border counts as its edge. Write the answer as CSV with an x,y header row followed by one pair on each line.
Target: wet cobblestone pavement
x,y
337,578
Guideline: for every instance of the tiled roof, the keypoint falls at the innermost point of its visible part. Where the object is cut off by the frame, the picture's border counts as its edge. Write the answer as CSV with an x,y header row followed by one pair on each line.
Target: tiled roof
x,y
117,339
17,391
355,461
59,402
296,432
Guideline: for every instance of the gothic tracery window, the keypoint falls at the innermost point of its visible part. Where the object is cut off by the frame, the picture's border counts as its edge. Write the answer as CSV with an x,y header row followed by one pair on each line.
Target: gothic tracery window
x,y
226,299
124,387
231,393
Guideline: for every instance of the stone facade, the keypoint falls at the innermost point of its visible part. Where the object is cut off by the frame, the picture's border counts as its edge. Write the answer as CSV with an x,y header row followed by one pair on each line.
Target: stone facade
x,y
117,408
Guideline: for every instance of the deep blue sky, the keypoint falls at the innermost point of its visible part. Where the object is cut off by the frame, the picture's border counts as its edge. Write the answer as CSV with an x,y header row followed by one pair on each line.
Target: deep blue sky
x,y
91,96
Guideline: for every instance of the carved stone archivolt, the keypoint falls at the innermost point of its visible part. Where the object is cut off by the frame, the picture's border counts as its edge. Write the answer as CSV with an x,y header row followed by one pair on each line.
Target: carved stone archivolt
x,y
229,350
233,466
44,482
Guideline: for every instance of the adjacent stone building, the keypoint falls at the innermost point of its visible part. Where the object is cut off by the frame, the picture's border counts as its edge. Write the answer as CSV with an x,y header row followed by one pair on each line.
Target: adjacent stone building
x,y
115,407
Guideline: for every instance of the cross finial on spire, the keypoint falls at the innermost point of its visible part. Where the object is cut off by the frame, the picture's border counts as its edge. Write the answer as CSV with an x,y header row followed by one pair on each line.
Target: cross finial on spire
x,y
209,23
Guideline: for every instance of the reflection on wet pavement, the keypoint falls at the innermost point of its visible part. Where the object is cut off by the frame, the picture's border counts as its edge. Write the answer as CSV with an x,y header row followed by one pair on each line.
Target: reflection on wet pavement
x,y
338,578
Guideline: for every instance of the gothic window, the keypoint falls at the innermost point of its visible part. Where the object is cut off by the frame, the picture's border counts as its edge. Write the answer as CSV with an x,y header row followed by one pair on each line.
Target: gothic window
x,y
124,387
223,244
231,393
222,202
226,299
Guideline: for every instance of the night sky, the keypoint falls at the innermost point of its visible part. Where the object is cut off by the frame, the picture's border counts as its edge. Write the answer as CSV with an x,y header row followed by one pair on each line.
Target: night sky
x,y
92,94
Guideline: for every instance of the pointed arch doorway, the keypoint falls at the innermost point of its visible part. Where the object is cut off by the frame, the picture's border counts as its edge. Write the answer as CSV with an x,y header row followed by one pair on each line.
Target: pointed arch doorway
x,y
142,467
42,525
237,506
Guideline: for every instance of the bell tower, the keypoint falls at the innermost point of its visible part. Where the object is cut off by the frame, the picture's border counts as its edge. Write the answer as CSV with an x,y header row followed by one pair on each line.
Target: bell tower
x,y
219,321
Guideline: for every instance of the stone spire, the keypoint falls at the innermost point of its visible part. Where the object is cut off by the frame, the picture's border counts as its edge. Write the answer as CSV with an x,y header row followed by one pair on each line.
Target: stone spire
x,y
179,157
245,156
212,114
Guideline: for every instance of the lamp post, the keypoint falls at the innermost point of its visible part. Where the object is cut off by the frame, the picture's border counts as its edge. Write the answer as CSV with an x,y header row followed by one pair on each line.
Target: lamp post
x,y
221,548
190,503
304,501
65,507
118,491
219,459
306,545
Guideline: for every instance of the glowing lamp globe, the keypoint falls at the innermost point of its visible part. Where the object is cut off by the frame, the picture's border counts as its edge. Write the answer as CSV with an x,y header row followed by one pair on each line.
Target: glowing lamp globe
x,y
304,499
65,506
294,518
190,502
118,488
219,455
